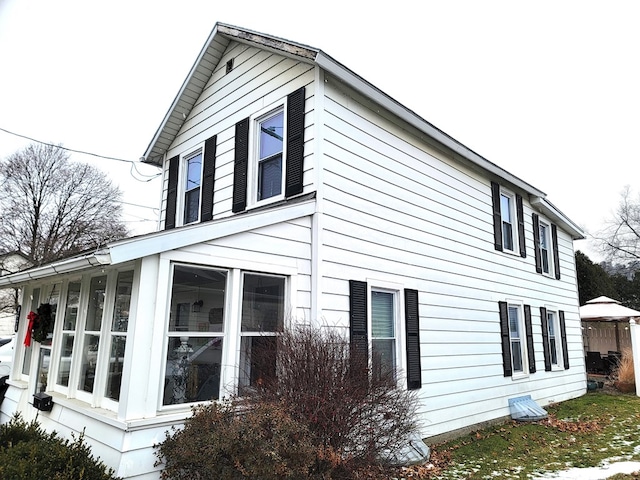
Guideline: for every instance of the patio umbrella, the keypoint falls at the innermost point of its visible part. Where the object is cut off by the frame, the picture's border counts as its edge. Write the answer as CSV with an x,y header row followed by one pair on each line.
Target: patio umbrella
x,y
605,309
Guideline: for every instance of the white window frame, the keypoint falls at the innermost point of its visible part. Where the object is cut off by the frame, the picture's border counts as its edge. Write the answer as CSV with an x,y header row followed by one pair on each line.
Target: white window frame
x,y
553,321
544,229
254,155
376,285
232,329
522,338
183,190
513,215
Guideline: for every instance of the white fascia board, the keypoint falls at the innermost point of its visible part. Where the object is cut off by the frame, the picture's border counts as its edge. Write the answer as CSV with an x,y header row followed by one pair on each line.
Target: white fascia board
x,y
155,243
344,74
74,264
550,210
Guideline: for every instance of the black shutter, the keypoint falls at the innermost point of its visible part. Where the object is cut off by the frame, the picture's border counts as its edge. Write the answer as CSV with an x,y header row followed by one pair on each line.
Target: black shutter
x,y
240,166
506,341
536,241
358,319
521,238
545,339
172,194
528,328
563,335
412,319
208,177
556,256
295,143
497,216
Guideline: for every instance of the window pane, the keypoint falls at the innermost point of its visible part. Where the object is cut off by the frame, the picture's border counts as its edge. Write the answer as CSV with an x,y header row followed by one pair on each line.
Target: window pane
x,y
73,302
116,362
271,133
516,353
270,178
197,299
26,364
383,353
382,315
43,369
514,327
122,302
191,206
193,369
194,169
262,303
257,360
96,303
505,208
88,365
64,366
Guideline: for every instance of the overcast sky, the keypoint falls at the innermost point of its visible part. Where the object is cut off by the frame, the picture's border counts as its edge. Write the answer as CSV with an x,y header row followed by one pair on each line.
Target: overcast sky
x,y
548,90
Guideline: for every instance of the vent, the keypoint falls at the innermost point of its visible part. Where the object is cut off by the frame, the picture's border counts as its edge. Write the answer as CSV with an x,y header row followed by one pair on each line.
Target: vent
x,y
230,65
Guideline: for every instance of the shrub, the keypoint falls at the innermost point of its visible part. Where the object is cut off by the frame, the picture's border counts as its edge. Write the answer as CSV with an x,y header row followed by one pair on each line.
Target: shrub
x,y
347,417
29,453
227,440
349,409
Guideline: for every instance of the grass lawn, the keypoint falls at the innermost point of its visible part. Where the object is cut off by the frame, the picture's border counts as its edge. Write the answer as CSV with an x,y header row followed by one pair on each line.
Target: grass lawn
x,y
578,433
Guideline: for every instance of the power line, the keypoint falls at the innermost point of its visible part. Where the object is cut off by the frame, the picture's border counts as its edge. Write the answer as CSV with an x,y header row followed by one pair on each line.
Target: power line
x,y
132,162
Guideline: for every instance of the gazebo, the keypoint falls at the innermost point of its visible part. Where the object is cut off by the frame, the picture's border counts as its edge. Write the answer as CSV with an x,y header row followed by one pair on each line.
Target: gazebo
x,y
606,333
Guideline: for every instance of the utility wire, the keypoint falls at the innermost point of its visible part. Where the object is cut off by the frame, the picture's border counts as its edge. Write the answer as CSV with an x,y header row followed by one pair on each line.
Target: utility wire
x,y
132,162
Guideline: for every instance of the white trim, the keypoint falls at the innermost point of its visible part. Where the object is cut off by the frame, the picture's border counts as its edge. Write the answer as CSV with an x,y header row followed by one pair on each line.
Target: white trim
x,y
263,114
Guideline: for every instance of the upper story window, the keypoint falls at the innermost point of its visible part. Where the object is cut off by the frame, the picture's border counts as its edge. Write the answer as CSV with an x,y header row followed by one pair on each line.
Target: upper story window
x,y
545,242
269,153
506,211
192,181
508,221
270,132
544,248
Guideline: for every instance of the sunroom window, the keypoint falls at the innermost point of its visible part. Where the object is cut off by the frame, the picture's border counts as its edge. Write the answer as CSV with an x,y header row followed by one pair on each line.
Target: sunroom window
x,y
263,298
195,336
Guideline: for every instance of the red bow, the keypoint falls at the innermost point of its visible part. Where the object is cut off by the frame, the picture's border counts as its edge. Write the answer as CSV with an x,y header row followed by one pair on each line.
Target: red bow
x,y
32,317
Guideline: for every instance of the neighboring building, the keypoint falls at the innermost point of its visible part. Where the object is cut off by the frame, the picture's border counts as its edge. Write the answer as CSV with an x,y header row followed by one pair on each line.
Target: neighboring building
x,y
10,263
295,191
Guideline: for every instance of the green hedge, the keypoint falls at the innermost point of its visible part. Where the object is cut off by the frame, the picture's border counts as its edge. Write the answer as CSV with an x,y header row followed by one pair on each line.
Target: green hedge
x,y
27,452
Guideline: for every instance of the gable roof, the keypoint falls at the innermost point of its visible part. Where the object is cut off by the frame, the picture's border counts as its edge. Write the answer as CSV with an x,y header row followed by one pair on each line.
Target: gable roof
x,y
214,49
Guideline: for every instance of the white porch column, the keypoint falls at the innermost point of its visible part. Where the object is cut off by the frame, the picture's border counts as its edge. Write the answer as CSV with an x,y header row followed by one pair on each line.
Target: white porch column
x,y
634,330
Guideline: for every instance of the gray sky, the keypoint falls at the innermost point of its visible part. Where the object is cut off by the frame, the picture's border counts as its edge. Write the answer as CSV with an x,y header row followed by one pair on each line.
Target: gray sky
x,y
548,90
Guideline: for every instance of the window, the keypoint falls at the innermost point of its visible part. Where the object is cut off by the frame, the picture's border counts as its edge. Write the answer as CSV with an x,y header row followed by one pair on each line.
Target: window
x,y
515,335
506,210
195,335
44,356
545,237
118,334
518,356
269,154
376,331
553,339
192,180
383,332
544,247
270,131
263,300
68,332
508,221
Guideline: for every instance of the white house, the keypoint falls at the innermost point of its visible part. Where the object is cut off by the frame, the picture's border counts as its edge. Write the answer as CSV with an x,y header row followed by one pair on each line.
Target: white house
x,y
296,191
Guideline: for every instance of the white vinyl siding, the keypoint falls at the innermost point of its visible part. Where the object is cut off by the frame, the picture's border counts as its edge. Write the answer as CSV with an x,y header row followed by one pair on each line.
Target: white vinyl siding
x,y
397,207
258,79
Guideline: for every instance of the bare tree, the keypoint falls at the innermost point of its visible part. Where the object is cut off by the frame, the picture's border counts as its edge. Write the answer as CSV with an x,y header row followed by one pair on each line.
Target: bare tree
x,y
52,207
620,239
